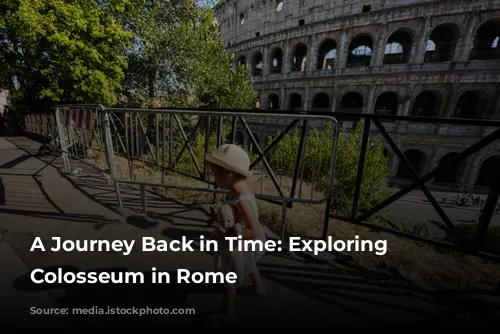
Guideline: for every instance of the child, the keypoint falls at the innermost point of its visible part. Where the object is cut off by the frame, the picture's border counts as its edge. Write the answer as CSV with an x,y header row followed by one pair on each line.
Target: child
x,y
230,165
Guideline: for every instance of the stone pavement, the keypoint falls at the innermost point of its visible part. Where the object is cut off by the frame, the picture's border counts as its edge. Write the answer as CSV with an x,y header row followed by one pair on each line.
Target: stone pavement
x,y
42,202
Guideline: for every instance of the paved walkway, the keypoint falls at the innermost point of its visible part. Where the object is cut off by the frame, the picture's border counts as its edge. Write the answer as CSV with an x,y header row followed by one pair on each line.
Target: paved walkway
x,y
41,202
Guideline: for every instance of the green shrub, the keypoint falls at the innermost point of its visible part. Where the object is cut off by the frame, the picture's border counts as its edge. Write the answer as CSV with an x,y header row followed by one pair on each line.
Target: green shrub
x,y
318,157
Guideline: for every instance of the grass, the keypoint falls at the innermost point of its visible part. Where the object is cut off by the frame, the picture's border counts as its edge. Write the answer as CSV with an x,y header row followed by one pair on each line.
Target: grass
x,y
423,264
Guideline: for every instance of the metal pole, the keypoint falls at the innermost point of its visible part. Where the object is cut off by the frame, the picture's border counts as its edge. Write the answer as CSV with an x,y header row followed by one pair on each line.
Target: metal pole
x,y
63,142
170,141
361,167
300,158
326,221
208,131
163,148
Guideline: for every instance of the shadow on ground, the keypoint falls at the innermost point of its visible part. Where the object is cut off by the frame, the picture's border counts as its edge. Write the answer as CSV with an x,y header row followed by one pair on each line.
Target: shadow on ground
x,y
342,285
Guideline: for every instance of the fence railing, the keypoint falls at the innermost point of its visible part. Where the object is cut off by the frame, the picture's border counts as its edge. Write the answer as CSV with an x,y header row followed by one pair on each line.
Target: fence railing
x,y
421,179
296,158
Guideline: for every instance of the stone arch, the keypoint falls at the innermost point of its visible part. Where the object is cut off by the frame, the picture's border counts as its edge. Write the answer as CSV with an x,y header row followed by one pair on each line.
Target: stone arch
x,y
327,53
426,104
398,47
295,102
257,63
387,103
274,102
453,174
417,160
488,171
352,101
486,42
321,102
471,104
299,58
276,65
441,43
360,51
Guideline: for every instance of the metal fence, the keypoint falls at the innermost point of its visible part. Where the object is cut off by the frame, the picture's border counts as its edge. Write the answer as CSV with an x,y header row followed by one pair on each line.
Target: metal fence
x,y
153,148
294,159
375,125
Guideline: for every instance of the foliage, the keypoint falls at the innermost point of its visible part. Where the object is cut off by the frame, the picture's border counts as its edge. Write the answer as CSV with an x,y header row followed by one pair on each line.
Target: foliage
x,y
318,159
177,53
159,53
61,51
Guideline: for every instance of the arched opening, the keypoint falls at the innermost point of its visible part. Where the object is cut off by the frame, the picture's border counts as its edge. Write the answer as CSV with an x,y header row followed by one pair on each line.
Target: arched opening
x,y
274,102
453,174
353,101
299,58
426,105
488,172
387,103
257,64
360,51
398,48
321,102
441,43
277,61
295,102
471,104
239,139
242,61
416,158
327,54
486,42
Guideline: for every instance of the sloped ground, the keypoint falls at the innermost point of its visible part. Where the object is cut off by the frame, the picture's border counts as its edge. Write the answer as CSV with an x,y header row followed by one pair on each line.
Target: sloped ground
x,y
301,291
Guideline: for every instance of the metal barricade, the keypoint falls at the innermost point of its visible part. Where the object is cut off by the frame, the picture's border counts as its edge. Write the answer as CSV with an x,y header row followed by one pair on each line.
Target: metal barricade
x,y
166,148
79,134
41,125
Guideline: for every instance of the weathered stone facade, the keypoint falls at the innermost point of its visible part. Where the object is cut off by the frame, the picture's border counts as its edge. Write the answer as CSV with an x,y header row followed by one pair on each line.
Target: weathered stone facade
x,y
410,58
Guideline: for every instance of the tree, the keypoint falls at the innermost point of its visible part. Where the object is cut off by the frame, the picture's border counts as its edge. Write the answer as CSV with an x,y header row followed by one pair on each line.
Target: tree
x,y
317,164
178,59
56,51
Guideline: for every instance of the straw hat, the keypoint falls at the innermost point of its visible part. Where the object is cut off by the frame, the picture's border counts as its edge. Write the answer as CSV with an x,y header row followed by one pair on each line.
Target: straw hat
x,y
231,157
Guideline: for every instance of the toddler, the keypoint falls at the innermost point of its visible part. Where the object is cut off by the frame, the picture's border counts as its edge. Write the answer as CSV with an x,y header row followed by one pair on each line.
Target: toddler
x,y
238,215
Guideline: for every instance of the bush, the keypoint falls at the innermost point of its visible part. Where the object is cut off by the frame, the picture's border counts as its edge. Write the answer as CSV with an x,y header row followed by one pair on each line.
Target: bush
x,y
318,156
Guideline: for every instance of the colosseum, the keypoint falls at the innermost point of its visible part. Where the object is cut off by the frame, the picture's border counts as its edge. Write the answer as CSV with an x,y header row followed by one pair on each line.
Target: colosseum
x,y
427,58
